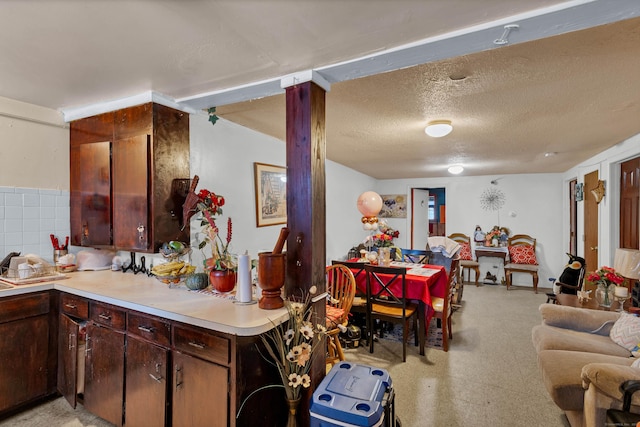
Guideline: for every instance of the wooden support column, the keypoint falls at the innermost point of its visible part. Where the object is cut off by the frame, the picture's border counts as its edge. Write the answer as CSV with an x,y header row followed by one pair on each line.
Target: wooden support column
x,y
306,206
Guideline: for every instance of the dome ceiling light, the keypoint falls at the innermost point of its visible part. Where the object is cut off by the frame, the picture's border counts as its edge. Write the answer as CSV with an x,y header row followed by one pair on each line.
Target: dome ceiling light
x,y
455,169
438,128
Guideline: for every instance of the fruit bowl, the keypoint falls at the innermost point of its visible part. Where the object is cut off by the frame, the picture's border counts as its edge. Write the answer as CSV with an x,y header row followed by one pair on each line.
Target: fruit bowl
x,y
171,280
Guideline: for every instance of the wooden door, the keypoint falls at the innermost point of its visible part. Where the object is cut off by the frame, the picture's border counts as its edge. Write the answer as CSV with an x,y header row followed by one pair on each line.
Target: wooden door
x,y
68,359
629,199
24,346
90,195
131,163
419,218
146,389
198,399
590,222
104,367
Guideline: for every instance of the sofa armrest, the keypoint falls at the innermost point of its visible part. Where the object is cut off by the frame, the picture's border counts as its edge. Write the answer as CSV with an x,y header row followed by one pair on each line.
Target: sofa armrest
x,y
578,319
609,377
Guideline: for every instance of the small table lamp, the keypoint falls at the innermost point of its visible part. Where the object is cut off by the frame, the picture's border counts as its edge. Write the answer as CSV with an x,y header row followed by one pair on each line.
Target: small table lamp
x,y
627,264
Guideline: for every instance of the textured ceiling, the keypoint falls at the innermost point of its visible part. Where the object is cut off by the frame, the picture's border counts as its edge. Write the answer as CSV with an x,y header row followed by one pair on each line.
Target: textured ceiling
x,y
575,94
393,65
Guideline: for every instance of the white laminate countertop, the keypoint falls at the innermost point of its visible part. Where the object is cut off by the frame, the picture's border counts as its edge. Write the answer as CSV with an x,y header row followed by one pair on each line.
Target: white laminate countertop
x,y
147,295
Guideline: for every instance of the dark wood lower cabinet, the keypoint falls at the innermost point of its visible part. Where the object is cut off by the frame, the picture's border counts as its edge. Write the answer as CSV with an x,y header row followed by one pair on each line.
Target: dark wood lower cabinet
x,y
68,359
200,392
24,347
146,383
104,378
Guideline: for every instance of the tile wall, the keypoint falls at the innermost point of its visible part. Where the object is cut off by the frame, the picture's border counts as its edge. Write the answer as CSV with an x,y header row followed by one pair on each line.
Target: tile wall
x,y
28,216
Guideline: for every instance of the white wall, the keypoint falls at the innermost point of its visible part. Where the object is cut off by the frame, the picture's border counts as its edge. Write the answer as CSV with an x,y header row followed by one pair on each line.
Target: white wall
x,y
222,155
534,199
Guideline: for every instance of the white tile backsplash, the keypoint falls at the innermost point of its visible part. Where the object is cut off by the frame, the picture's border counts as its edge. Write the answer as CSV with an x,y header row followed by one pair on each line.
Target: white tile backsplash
x,y
28,216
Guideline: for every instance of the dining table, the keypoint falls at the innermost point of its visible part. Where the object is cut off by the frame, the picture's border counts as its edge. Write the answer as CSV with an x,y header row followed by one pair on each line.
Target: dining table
x,y
424,281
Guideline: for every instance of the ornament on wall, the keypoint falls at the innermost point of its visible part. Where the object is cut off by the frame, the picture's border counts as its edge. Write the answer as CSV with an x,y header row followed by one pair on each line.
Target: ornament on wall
x,y
492,199
598,192
213,118
579,192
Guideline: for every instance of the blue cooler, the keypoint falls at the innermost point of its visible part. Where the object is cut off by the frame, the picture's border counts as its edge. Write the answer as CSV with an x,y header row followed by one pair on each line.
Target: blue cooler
x,y
353,395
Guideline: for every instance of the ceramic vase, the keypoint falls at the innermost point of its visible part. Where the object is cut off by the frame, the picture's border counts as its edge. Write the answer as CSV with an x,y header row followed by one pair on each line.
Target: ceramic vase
x,y
222,281
604,295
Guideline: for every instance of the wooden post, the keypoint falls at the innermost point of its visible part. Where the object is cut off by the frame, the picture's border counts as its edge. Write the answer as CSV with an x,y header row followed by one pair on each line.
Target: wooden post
x,y
306,206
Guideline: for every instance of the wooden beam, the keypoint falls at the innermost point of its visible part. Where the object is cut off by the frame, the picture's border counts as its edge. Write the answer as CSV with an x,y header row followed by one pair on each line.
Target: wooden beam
x,y
305,107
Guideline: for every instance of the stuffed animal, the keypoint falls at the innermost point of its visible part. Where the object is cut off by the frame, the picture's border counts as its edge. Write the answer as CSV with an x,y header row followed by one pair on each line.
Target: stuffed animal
x,y
572,274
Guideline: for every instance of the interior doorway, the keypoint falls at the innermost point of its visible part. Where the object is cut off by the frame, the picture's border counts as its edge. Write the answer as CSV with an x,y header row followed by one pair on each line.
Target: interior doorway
x,y
573,217
428,215
590,222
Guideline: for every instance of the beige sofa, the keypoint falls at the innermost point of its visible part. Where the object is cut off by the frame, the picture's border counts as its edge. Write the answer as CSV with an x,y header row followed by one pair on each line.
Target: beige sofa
x,y
582,368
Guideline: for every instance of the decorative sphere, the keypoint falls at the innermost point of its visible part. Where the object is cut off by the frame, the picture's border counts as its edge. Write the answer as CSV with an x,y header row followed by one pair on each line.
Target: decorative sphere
x,y
369,203
366,226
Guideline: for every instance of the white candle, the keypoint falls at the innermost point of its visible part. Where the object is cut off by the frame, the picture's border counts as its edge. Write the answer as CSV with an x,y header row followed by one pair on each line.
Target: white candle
x,y
621,291
243,292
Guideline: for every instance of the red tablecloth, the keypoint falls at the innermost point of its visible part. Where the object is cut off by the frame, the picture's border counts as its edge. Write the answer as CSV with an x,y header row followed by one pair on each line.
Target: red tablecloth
x,y
419,288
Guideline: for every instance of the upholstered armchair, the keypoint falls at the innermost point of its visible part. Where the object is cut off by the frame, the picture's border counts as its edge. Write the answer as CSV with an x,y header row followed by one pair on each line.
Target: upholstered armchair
x,y
602,382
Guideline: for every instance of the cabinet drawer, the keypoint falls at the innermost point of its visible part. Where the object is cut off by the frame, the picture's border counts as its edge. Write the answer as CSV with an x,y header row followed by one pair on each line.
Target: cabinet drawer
x,y
202,344
75,306
150,328
108,315
23,306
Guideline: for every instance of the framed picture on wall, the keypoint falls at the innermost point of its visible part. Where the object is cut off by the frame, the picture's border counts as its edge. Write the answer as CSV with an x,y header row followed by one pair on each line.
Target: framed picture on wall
x,y
271,194
393,206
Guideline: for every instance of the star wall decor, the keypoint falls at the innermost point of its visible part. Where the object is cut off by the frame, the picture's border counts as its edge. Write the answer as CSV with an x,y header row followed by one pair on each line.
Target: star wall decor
x,y
492,199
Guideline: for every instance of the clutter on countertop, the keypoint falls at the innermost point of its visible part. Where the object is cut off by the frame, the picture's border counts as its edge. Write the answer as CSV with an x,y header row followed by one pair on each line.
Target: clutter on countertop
x,y
94,259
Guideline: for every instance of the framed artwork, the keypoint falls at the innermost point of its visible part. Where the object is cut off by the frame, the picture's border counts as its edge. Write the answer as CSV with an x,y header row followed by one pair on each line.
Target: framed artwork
x,y
271,194
393,206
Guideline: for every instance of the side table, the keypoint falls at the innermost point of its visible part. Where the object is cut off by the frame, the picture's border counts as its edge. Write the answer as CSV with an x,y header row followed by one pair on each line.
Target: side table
x,y
572,301
491,252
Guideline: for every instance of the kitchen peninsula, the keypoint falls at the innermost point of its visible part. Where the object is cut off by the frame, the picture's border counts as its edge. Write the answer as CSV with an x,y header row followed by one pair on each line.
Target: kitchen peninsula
x,y
168,356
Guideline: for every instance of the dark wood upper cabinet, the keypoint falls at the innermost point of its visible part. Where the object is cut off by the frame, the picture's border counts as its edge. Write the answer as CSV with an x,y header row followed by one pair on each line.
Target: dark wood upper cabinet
x,y
129,175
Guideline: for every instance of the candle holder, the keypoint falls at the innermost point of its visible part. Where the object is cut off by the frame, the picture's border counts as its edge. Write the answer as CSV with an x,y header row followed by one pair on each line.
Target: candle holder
x,y
621,294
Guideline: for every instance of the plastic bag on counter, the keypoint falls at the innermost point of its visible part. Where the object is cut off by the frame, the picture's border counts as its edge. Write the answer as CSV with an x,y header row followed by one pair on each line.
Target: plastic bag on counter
x,y
94,259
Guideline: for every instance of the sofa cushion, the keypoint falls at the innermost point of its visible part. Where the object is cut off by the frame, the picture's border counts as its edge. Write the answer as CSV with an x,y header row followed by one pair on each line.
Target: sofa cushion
x,y
626,331
562,374
547,337
578,319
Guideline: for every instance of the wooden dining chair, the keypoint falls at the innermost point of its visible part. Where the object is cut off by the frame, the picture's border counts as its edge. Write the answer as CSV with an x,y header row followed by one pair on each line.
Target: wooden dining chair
x,y
443,306
341,288
467,261
387,302
416,256
522,259
359,304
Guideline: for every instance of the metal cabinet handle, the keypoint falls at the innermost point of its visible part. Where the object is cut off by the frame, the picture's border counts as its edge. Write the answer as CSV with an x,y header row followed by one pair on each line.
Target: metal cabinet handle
x,y
196,345
158,378
145,329
178,381
104,317
72,338
87,349
71,306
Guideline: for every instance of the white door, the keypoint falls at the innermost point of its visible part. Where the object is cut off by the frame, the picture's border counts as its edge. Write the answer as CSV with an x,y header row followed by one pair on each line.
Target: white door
x,y
419,218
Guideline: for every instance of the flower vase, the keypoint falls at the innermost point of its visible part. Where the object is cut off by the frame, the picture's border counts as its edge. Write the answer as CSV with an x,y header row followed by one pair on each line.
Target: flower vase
x,y
293,409
222,281
604,295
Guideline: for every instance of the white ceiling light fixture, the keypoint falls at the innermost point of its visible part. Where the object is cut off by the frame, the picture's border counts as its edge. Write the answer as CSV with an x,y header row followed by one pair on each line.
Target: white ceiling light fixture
x,y
455,169
438,128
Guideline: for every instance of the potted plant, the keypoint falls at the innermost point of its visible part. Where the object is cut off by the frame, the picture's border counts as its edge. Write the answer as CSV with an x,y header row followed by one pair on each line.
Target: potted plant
x,y
222,265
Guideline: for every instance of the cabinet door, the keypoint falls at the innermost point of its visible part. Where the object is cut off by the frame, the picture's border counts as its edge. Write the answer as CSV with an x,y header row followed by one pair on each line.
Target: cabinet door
x,y
131,189
91,194
146,389
68,359
24,346
104,378
200,392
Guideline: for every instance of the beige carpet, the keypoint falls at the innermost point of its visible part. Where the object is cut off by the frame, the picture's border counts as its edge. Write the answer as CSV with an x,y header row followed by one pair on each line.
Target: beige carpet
x,y
489,377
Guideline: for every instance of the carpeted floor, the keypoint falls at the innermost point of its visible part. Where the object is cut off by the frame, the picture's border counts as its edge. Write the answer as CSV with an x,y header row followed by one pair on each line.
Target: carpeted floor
x,y
488,378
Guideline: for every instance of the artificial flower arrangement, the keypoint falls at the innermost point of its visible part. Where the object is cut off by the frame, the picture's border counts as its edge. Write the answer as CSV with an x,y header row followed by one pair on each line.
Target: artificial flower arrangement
x,y
210,205
384,238
605,277
290,345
